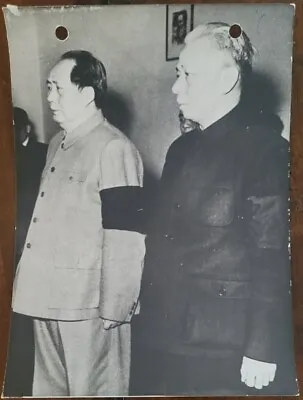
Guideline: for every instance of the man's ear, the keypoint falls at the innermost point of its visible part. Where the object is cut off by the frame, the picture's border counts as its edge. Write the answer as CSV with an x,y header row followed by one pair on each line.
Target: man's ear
x,y
229,78
89,94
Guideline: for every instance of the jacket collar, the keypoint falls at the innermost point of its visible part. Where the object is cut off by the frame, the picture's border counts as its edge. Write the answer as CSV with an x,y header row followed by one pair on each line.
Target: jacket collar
x,y
82,130
225,124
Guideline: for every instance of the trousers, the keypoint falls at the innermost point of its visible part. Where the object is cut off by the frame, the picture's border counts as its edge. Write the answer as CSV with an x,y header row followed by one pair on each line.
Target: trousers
x,y
20,361
166,374
80,358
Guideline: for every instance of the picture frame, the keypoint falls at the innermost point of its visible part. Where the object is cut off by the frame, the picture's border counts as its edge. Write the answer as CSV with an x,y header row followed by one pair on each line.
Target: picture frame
x,y
179,22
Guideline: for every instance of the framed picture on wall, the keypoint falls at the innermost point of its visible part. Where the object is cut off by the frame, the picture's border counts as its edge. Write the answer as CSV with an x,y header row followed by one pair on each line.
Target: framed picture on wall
x,y
179,21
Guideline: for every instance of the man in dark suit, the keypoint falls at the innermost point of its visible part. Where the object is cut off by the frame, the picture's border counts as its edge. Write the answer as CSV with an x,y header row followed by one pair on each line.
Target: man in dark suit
x,y
215,297
30,161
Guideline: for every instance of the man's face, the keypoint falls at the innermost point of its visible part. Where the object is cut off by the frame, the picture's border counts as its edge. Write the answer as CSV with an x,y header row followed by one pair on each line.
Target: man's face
x,y
198,87
65,99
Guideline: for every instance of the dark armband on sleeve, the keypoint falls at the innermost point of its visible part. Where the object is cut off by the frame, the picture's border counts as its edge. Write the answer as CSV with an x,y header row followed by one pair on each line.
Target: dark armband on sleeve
x,y
123,208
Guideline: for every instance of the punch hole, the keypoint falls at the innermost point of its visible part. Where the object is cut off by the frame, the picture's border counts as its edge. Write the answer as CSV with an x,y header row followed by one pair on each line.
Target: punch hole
x,y
235,31
61,33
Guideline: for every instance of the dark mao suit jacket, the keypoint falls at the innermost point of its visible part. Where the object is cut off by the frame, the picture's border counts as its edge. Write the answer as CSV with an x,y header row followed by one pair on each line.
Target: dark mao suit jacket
x,y
216,274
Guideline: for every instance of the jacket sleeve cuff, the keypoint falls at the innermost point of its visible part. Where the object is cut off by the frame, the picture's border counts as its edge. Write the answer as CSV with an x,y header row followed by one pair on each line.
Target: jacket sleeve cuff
x,y
122,316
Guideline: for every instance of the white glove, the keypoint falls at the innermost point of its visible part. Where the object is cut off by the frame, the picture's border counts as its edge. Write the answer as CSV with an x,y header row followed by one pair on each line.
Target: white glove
x,y
257,373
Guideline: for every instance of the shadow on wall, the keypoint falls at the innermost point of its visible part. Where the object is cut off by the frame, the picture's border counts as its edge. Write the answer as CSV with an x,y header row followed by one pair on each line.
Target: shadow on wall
x,y
117,111
261,92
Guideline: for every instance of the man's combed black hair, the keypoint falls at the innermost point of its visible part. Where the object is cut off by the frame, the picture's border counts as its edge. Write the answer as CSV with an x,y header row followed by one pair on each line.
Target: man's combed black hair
x,y
88,72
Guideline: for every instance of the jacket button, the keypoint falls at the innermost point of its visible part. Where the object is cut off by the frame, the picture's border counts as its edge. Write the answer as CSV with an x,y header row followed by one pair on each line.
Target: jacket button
x,y
28,245
35,219
177,206
42,194
52,169
222,291
181,264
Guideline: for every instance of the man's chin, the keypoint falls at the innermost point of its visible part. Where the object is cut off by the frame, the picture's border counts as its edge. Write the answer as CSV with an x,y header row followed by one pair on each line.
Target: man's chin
x,y
57,118
186,113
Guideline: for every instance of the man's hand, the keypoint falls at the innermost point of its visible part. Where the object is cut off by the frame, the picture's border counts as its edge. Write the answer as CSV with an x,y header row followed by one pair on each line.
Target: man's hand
x,y
257,373
108,324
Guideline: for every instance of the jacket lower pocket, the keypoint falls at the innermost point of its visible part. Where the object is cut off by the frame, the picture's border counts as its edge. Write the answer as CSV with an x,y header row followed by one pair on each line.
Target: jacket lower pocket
x,y
217,319
75,288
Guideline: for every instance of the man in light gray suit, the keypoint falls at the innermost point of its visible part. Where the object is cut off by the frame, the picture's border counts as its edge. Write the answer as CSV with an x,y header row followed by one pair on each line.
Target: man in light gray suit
x,y
80,271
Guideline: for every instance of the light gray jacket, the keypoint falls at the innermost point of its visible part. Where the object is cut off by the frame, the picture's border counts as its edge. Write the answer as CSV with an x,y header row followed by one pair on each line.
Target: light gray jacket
x,y
71,268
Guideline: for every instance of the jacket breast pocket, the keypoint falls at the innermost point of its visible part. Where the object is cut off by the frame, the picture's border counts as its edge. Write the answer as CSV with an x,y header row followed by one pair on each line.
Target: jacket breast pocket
x,y
73,187
216,205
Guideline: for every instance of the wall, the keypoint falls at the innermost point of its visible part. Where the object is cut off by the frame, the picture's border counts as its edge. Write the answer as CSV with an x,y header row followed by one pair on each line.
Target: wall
x,y
131,43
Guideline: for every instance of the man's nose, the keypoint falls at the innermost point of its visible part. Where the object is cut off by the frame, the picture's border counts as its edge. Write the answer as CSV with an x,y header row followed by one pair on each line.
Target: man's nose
x,y
177,86
51,96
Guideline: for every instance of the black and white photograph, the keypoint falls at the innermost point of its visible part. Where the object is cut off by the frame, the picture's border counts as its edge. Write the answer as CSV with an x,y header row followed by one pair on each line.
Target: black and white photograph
x,y
152,238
